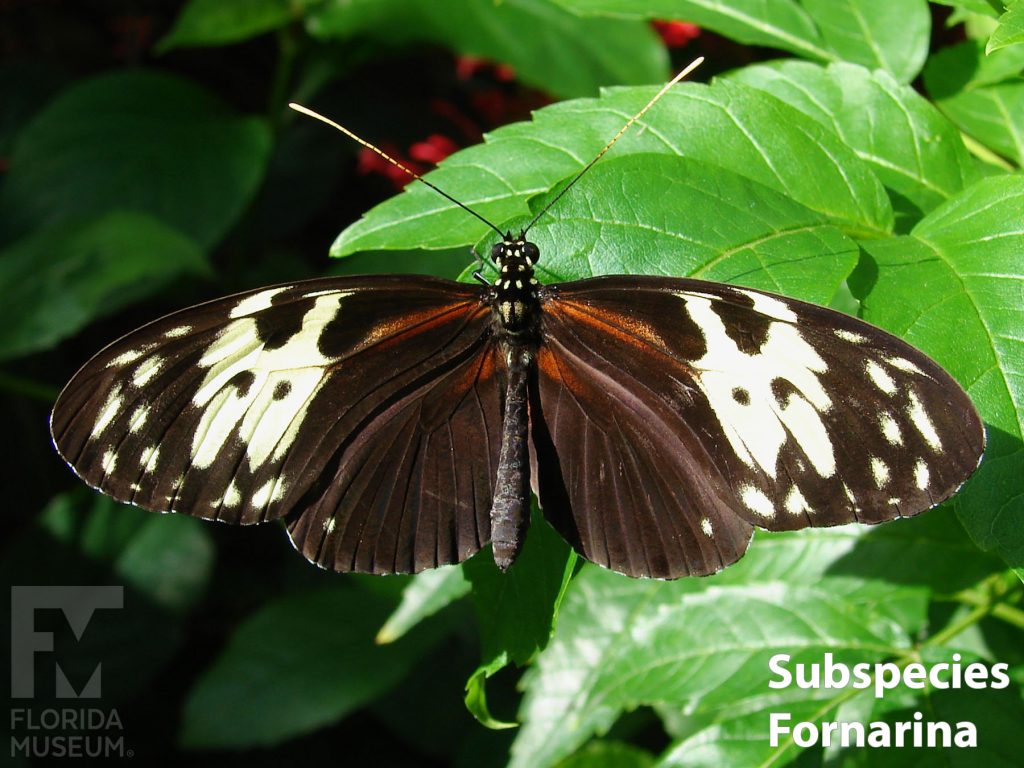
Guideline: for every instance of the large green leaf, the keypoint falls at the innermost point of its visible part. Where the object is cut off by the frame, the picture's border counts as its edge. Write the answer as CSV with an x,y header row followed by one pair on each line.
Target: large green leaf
x,y
980,96
299,663
693,645
141,141
57,280
702,221
700,647
727,125
549,48
953,287
875,33
915,151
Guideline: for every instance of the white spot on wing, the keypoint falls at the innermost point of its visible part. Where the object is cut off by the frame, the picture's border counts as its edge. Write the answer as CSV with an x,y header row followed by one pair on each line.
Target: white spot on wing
x,y
904,365
919,418
109,462
126,357
272,490
796,504
232,498
757,502
148,458
138,419
890,429
147,370
850,336
266,426
769,305
705,525
880,472
849,495
181,330
110,409
879,377
256,302
758,431
921,474
329,524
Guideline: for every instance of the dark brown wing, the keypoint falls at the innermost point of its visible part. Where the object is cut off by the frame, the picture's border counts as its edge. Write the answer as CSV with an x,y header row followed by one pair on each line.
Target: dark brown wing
x,y
293,401
670,415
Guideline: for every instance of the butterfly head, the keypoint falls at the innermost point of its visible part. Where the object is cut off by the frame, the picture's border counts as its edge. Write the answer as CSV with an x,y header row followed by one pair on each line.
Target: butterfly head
x,y
515,287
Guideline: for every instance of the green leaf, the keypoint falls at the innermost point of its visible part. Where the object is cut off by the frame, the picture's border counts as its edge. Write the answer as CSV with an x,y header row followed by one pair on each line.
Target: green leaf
x,y
167,558
221,22
742,737
915,151
874,33
516,610
299,663
549,48
728,125
960,268
782,24
702,646
703,222
991,111
1011,28
58,280
141,141
609,754
425,595
877,34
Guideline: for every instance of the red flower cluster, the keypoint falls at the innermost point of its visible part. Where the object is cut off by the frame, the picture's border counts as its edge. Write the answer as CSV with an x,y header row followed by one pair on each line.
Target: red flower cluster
x,y
676,34
493,103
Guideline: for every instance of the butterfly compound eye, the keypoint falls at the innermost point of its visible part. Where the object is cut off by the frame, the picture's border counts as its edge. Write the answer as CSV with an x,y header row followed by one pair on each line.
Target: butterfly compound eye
x,y
531,252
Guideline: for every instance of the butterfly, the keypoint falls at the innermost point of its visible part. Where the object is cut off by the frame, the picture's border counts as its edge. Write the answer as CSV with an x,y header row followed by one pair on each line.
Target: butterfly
x,y
399,423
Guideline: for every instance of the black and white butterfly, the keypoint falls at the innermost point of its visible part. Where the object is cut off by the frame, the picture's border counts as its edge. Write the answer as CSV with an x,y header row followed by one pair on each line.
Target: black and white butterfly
x,y
398,423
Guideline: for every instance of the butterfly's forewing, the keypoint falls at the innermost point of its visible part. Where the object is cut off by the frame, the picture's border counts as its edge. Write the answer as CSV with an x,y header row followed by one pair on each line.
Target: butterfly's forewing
x,y
303,400
682,412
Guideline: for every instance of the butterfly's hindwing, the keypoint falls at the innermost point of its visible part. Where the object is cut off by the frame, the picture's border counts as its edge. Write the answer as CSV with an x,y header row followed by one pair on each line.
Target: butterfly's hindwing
x,y
676,405
244,409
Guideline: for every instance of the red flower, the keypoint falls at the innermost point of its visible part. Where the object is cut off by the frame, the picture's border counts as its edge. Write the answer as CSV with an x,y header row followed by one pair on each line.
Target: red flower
x,y
676,33
435,149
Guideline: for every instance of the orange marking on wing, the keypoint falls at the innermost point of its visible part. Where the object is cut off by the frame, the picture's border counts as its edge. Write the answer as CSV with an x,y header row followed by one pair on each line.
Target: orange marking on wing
x,y
626,328
394,332
548,366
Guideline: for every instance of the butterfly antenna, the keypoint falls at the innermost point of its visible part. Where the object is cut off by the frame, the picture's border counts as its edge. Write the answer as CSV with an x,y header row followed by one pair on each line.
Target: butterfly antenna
x,y
629,123
390,159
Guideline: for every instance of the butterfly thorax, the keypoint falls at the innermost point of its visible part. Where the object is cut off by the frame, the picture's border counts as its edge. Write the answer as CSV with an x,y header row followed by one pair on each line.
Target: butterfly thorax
x,y
514,299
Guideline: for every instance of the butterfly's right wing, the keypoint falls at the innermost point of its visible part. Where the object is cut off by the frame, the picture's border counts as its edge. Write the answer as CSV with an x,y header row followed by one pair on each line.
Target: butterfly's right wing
x,y
366,411
671,415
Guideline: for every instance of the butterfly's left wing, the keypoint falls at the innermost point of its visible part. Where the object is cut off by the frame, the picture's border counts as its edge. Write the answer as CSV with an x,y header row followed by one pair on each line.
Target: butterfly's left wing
x,y
366,410
670,415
